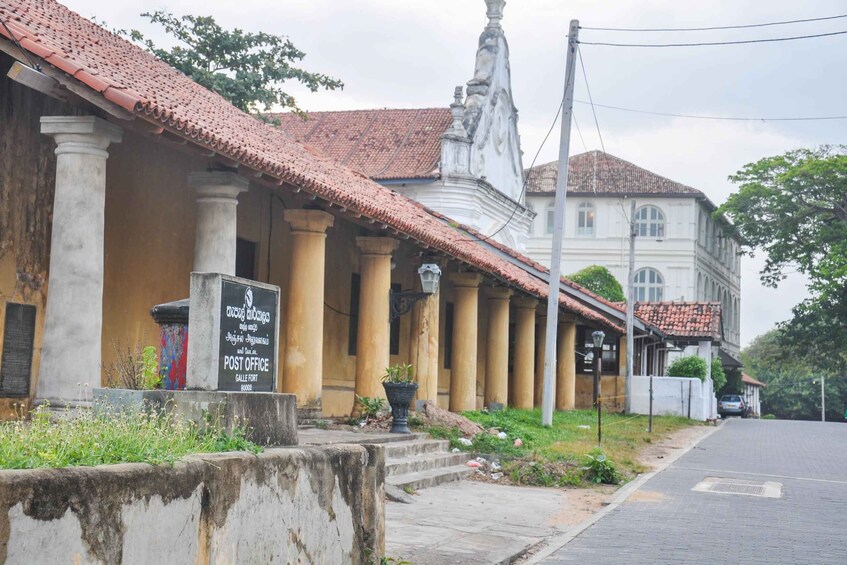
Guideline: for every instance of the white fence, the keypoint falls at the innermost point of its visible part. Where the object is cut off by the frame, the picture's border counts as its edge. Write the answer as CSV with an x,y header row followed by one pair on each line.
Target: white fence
x,y
674,396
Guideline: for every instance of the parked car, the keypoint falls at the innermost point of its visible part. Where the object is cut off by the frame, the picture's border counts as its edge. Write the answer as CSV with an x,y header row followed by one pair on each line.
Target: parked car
x,y
732,405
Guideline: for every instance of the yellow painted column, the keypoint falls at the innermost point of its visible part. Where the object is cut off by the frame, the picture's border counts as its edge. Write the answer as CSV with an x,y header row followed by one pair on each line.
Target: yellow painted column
x,y
566,366
424,346
304,322
524,360
540,351
372,348
465,328
497,349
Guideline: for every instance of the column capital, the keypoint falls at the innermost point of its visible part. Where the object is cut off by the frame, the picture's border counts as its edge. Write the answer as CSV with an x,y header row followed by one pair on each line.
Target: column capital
x,y
567,318
465,280
377,245
312,221
498,293
525,302
81,134
218,184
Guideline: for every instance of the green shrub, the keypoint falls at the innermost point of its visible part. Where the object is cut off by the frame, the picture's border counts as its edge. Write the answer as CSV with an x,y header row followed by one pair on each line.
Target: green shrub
x,y
106,435
768,417
691,367
371,407
718,374
600,281
403,373
600,469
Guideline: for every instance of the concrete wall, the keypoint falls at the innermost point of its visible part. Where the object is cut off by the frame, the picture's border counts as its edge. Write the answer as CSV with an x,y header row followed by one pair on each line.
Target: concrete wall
x,y
672,395
314,505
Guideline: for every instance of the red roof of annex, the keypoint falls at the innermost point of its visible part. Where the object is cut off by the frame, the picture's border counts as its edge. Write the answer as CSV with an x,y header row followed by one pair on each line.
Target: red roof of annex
x,y
683,319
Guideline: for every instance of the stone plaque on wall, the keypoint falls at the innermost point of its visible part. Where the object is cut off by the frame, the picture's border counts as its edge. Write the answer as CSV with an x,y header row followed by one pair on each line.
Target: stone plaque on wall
x,y
16,362
247,355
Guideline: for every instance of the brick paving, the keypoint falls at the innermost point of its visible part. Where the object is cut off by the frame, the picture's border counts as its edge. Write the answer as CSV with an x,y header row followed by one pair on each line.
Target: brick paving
x,y
666,522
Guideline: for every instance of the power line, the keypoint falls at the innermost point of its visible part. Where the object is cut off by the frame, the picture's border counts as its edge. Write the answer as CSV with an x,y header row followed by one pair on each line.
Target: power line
x,y
723,118
714,28
712,43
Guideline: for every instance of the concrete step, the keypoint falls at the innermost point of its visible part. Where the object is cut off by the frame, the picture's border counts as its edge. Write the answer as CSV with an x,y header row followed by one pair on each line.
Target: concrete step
x,y
415,447
430,477
424,462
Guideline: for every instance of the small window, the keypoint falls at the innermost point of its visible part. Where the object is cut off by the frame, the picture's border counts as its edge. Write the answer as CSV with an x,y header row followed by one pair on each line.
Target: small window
x,y
18,337
551,218
245,258
649,285
650,222
448,335
353,330
394,329
585,219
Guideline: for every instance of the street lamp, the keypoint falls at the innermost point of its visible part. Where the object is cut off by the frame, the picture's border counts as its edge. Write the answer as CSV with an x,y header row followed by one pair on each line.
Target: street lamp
x,y
598,337
402,302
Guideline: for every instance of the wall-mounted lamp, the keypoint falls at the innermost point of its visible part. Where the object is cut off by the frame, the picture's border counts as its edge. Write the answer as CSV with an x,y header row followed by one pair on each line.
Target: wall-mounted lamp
x,y
401,302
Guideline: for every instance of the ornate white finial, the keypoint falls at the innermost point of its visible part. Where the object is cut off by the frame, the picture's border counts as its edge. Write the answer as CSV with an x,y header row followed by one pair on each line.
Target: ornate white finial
x,y
457,110
494,13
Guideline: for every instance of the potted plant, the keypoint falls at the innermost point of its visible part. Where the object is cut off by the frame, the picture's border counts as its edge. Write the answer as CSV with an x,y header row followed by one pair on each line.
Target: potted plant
x,y
400,389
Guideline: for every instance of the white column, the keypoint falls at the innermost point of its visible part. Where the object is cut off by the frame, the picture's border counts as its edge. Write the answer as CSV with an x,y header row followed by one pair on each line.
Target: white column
x,y
71,356
217,202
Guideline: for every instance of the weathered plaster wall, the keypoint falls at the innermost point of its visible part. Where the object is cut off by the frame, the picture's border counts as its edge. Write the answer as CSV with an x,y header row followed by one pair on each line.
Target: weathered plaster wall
x,y
314,505
27,181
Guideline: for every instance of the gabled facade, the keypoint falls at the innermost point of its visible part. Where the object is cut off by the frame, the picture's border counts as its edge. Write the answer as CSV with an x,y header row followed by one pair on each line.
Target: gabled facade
x,y
681,252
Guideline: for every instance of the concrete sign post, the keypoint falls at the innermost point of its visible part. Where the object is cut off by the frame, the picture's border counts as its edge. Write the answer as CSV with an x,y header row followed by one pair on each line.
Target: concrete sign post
x,y
234,326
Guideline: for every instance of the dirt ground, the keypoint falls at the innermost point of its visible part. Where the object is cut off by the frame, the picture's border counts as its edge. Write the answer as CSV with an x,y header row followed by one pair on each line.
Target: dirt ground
x,y
651,454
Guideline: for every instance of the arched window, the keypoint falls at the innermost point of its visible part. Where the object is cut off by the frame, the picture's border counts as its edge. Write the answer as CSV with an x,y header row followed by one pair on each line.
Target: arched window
x,y
650,222
550,216
649,285
585,219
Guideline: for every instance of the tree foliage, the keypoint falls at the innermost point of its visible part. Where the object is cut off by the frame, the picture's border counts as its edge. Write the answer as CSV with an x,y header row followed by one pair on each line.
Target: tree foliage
x,y
248,69
718,375
691,367
600,281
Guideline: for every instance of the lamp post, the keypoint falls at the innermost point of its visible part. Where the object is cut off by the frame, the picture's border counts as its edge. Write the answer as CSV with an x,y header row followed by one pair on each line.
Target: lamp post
x,y
598,338
402,302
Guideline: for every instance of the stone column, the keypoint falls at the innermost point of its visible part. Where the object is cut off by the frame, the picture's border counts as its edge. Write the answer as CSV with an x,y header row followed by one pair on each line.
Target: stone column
x,y
73,321
304,322
524,360
217,200
566,366
424,346
373,347
497,349
540,350
465,328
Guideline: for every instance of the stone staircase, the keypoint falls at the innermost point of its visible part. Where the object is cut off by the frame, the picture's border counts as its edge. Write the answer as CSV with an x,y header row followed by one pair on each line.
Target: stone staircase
x,y
412,461
422,462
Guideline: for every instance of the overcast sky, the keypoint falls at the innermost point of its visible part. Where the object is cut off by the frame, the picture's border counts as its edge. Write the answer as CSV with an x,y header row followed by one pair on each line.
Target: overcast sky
x,y
411,53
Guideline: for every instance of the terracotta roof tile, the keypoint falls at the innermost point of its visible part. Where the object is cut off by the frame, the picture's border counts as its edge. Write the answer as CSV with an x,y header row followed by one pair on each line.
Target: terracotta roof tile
x,y
683,319
140,82
594,173
748,380
383,144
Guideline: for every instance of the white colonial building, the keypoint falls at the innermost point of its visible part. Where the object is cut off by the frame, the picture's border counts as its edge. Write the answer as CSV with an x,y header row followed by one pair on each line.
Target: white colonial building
x,y
681,254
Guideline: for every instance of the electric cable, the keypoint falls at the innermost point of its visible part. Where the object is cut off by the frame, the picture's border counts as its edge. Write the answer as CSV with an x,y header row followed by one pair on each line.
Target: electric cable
x,y
714,28
26,54
713,43
722,118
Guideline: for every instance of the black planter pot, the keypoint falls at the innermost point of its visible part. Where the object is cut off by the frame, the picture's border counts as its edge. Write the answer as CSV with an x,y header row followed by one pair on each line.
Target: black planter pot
x,y
400,396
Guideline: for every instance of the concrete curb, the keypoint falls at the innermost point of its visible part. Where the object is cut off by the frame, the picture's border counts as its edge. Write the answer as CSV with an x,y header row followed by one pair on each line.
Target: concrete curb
x,y
556,543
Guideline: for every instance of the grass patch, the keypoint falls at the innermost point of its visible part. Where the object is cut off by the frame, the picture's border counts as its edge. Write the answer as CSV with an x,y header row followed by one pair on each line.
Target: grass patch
x,y
559,455
105,436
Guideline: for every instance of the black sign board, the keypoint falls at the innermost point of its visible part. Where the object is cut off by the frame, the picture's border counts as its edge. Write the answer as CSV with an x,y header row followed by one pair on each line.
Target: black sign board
x,y
248,338
18,335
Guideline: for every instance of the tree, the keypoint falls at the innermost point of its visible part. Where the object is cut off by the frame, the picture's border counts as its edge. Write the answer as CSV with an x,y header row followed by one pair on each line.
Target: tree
x,y
248,69
794,207
600,281
718,375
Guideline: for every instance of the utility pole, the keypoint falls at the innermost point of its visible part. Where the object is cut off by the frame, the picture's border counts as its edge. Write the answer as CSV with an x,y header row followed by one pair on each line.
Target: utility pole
x,y
823,399
558,229
630,307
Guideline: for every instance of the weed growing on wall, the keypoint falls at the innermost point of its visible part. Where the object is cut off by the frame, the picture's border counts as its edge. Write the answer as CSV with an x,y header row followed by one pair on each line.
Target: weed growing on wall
x,y
106,436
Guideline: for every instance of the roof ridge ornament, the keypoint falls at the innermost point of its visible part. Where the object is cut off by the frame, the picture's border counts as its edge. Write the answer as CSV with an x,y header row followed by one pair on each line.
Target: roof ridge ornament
x,y
457,110
494,13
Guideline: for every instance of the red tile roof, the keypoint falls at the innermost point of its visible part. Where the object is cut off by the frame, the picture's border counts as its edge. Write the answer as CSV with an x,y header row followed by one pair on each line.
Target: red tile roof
x,y
382,144
683,319
130,77
748,380
594,173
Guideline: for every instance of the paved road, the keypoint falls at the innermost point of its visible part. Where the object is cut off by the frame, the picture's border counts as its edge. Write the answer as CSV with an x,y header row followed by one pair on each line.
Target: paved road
x,y
666,522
